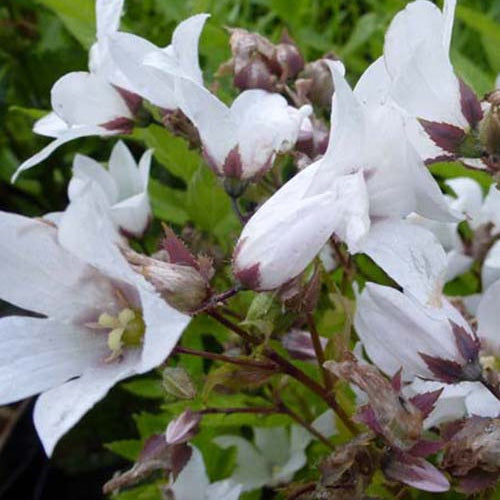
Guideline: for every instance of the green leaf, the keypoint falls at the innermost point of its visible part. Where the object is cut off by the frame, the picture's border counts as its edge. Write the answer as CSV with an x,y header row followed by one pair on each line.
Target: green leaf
x,y
168,203
172,152
208,205
365,27
480,81
78,16
126,448
478,21
149,388
32,113
448,170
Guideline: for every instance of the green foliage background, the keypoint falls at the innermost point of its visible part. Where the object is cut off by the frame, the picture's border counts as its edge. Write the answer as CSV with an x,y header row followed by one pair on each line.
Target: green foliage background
x,y
41,40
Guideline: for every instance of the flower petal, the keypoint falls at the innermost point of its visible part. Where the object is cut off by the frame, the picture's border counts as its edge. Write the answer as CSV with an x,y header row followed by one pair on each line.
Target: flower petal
x,y
58,410
488,317
204,109
108,14
252,470
38,354
51,125
39,275
128,55
67,136
192,482
123,169
82,98
394,329
185,40
266,125
411,255
87,170
164,326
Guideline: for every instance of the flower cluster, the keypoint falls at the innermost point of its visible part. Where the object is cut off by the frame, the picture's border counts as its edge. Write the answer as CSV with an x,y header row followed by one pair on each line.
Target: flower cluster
x,y
336,281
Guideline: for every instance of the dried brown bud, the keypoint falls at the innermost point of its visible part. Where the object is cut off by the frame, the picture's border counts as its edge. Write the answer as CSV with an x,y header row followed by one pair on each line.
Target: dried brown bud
x,y
476,445
388,413
156,455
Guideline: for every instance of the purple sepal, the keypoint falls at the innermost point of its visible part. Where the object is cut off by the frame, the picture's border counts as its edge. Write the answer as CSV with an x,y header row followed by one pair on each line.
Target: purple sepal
x,y
176,249
120,125
233,166
249,277
446,136
443,370
425,402
471,107
426,447
367,416
468,345
396,380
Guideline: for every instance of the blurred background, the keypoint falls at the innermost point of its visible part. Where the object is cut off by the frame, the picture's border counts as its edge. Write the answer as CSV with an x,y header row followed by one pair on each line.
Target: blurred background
x,y
41,40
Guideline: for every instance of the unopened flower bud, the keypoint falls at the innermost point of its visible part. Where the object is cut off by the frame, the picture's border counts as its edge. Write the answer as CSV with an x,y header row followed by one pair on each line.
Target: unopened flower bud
x,y
181,285
178,383
321,87
289,58
299,345
252,60
489,129
183,428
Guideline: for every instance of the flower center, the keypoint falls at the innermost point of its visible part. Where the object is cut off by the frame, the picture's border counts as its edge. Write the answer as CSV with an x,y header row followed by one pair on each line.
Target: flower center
x,y
126,330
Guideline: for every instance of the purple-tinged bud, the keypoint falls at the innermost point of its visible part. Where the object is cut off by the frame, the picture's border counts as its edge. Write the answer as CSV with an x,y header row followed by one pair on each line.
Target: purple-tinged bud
x,y
415,472
321,86
183,428
288,57
252,60
182,286
299,345
489,130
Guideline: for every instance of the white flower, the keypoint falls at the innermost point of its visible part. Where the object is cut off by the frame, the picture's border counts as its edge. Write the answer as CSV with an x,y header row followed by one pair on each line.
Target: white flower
x,y
156,83
469,202
124,186
441,109
83,103
488,318
193,484
366,182
276,455
248,135
101,321
456,401
398,332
